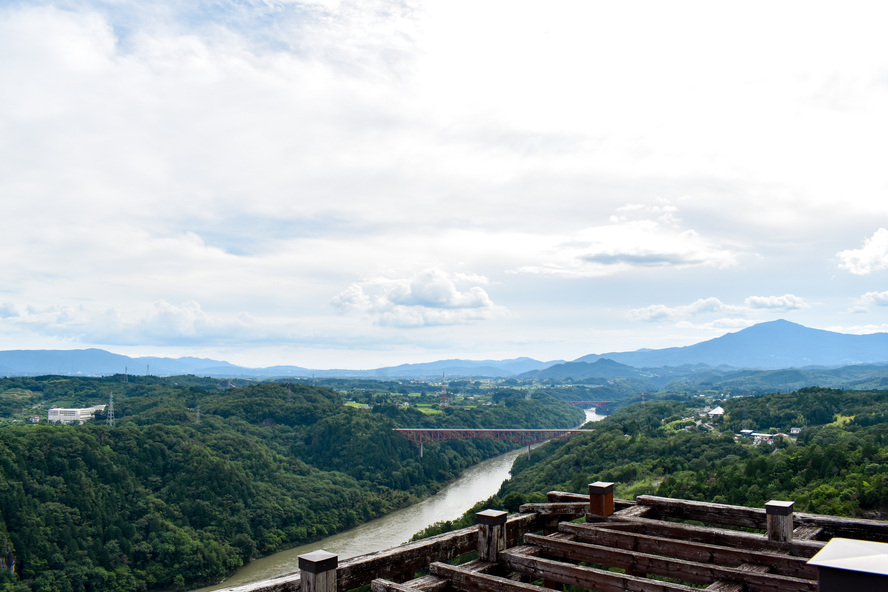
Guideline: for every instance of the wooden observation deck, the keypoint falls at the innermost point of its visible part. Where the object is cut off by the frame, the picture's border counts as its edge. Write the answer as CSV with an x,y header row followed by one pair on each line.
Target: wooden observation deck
x,y
653,544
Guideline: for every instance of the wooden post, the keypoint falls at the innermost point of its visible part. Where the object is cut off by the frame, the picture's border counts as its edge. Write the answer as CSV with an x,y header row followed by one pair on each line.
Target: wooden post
x,y
779,520
601,498
318,571
491,534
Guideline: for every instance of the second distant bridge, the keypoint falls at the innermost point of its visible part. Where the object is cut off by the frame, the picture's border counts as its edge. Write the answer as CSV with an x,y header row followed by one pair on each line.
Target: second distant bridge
x,y
523,437
601,405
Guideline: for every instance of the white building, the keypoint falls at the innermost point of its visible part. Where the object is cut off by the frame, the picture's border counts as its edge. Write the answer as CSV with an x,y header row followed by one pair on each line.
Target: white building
x,y
60,415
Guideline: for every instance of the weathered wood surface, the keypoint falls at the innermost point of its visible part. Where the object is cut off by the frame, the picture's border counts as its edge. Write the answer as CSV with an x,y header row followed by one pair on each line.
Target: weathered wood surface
x,y
680,569
682,549
586,577
380,585
565,496
324,581
706,512
391,563
849,528
473,580
833,526
399,562
634,511
807,533
557,509
722,536
429,583
291,582
724,586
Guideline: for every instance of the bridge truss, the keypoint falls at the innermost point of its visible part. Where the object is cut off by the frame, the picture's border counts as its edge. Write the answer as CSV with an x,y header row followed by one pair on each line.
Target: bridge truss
x,y
523,437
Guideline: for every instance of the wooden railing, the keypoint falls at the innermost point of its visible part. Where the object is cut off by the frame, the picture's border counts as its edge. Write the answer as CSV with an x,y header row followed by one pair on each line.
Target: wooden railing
x,y
787,539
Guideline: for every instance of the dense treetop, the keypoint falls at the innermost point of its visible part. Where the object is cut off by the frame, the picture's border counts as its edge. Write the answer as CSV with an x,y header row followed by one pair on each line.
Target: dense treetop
x,y
197,477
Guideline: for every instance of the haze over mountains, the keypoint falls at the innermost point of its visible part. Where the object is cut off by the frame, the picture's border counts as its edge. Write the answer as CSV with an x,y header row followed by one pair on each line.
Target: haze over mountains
x,y
771,345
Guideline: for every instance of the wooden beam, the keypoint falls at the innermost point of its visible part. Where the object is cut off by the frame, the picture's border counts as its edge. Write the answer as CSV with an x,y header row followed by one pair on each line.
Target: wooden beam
x,y
557,509
434,583
682,549
586,577
466,579
723,586
848,528
380,585
284,583
391,563
565,496
634,511
807,533
706,511
688,571
722,536
833,526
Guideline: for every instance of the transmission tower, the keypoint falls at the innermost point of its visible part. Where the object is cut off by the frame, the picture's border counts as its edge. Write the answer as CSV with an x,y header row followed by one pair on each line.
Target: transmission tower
x,y
443,390
111,410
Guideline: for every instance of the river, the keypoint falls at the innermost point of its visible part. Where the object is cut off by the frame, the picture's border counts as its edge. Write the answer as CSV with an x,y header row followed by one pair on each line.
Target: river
x,y
477,483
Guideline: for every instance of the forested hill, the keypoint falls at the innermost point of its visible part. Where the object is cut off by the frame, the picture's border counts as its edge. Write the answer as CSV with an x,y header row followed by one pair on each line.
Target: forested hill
x,y
838,464
196,478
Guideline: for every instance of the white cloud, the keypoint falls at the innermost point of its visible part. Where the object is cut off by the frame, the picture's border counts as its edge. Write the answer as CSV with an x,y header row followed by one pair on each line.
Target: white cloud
x,y
430,298
709,306
874,299
161,324
661,312
785,302
873,256
638,237
860,329
256,157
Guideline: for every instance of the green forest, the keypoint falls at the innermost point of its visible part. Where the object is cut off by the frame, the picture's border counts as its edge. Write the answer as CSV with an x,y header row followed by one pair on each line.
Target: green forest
x,y
196,477
838,463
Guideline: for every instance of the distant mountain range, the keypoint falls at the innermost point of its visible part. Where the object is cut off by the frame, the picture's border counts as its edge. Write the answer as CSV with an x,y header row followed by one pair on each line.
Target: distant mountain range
x,y
766,346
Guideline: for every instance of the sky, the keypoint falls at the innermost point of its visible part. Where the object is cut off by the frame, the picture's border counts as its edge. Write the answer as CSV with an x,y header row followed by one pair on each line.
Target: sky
x,y
357,184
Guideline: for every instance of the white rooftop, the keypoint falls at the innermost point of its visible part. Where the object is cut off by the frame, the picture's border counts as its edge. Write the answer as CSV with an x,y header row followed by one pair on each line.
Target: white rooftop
x,y
853,555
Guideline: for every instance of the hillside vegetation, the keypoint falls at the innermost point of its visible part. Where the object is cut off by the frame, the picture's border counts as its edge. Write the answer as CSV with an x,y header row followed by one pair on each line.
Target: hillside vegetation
x,y
196,478
837,465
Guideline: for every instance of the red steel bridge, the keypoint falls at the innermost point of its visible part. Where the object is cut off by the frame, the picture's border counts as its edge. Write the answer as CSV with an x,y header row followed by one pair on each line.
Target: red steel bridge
x,y
599,404
524,437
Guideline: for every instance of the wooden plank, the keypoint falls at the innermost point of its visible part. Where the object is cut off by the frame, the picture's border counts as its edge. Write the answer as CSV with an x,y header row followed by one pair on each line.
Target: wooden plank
x,y
806,533
466,579
706,511
392,563
833,526
436,584
849,528
682,549
721,536
283,583
724,586
557,509
380,585
564,496
634,511
688,571
586,577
